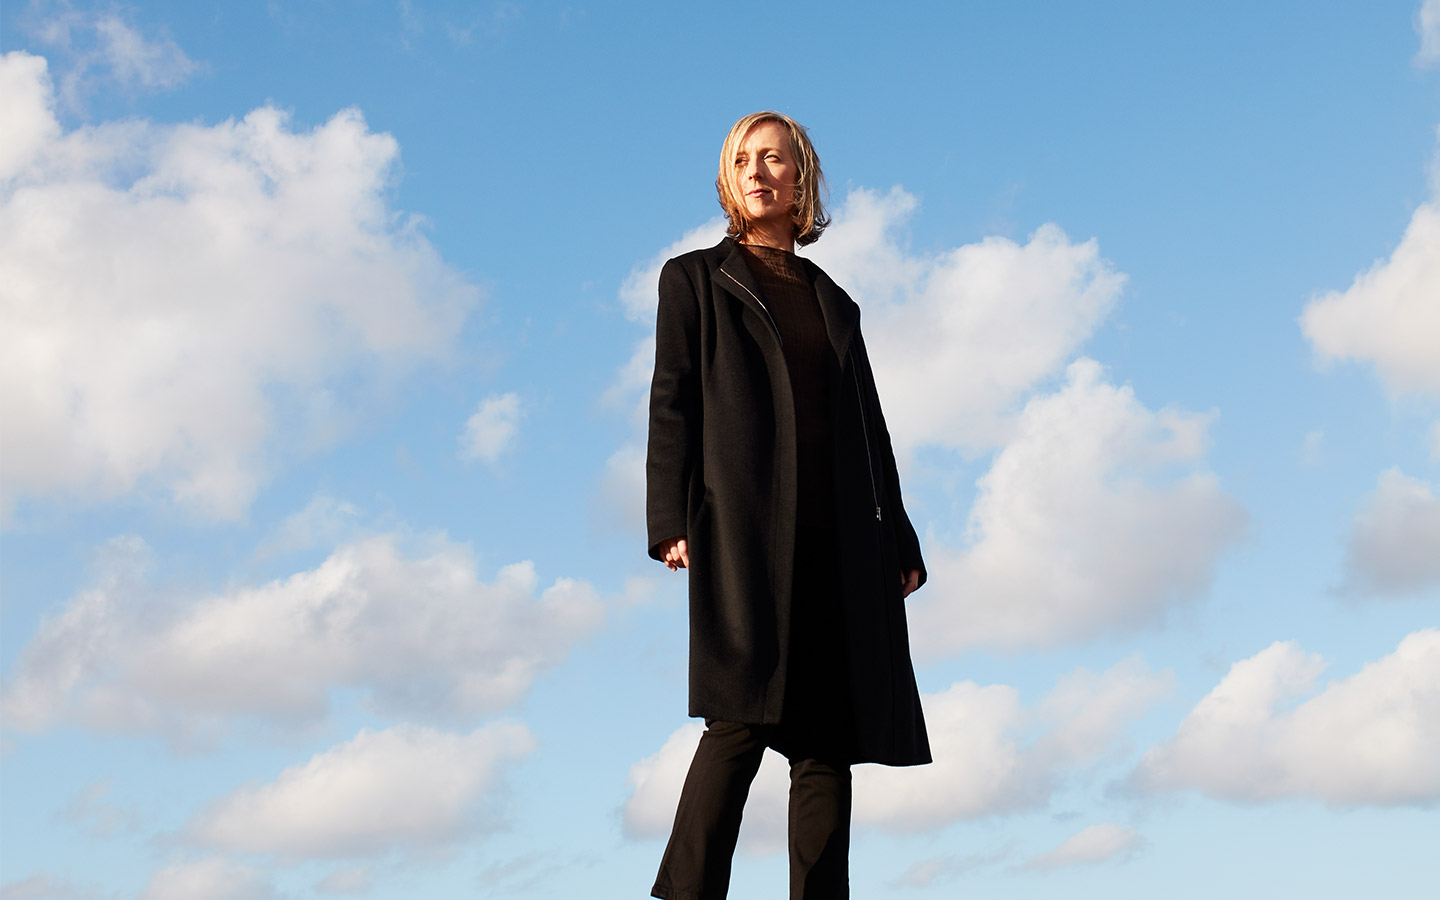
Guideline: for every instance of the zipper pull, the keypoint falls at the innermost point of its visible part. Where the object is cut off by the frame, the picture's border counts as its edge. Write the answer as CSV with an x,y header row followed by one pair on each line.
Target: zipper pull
x,y
877,513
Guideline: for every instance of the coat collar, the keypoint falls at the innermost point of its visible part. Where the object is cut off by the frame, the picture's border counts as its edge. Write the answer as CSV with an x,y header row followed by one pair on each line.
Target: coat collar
x,y
842,315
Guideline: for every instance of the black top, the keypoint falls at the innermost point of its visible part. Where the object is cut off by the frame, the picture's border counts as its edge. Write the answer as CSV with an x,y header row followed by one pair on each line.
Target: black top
x,y
789,295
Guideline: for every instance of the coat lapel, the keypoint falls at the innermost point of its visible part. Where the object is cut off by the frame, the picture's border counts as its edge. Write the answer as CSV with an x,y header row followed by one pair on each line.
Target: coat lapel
x,y
734,278
842,315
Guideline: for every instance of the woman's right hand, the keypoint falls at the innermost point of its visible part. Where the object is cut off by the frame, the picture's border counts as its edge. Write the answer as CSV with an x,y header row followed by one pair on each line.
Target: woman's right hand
x,y
677,554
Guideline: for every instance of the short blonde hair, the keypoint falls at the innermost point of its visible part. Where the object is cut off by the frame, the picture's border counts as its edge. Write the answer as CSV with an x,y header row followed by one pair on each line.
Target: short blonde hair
x,y
809,216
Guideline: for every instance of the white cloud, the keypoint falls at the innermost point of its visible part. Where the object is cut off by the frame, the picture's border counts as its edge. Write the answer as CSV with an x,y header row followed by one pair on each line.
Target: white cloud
x,y
958,337
184,306
25,100
992,756
655,783
1099,514
1094,844
213,878
416,634
1394,545
105,41
406,787
322,520
491,430
1389,315
1427,25
1365,740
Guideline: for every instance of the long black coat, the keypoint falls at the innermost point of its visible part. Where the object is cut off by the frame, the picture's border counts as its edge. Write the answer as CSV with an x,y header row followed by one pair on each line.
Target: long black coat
x,y
721,472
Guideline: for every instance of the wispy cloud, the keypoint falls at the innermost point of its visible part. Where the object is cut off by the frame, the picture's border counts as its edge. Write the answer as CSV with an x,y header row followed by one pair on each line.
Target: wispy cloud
x,y
1427,25
101,45
1094,844
417,632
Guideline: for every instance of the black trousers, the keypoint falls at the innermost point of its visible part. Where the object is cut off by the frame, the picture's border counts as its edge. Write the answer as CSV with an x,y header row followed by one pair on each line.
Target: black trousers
x,y
696,865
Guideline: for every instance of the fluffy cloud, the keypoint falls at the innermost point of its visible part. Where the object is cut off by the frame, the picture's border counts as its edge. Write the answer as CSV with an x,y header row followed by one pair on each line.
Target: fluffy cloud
x,y
415,633
1365,740
958,337
1098,514
1394,545
992,756
406,787
1389,316
172,295
492,429
1094,844
1427,25
213,879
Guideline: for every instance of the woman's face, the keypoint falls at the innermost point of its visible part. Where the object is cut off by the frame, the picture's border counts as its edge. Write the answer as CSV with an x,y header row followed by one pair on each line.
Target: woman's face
x,y
765,173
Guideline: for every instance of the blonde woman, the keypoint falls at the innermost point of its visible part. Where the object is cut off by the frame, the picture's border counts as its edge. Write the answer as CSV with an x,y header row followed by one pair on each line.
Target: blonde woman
x,y
771,479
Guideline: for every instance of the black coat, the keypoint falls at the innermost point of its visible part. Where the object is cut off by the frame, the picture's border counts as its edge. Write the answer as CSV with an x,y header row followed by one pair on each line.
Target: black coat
x,y
721,472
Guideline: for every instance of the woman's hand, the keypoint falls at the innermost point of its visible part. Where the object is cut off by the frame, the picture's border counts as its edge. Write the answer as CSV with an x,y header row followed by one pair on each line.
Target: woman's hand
x,y
909,582
677,554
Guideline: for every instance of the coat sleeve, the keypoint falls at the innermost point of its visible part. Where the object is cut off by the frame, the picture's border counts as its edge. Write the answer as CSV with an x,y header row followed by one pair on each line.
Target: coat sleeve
x,y
907,541
675,409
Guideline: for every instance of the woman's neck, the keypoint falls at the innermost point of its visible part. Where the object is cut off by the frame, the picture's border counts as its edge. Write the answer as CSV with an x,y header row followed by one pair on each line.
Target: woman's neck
x,y
779,236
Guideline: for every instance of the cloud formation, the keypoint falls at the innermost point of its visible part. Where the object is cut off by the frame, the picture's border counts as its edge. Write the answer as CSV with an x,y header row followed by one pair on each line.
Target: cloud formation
x,y
416,633
492,429
213,878
1093,844
184,306
992,756
1388,316
1394,545
406,787
92,40
960,336
1098,514
1427,25
1365,740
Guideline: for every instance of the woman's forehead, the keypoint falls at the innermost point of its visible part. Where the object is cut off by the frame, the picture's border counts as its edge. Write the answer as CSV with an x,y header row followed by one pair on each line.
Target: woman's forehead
x,y
767,135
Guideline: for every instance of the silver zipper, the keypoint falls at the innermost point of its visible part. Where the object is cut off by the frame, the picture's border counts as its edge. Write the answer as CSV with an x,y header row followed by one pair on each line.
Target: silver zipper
x,y
773,326
865,434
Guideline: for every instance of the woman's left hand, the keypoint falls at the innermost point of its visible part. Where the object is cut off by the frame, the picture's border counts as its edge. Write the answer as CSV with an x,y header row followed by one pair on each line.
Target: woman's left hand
x,y
909,582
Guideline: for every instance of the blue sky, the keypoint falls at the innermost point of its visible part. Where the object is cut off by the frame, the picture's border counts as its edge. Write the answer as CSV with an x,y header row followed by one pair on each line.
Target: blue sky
x,y
325,349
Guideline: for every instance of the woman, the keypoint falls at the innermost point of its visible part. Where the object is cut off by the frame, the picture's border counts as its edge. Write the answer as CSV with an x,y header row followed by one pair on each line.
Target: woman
x,y
770,477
